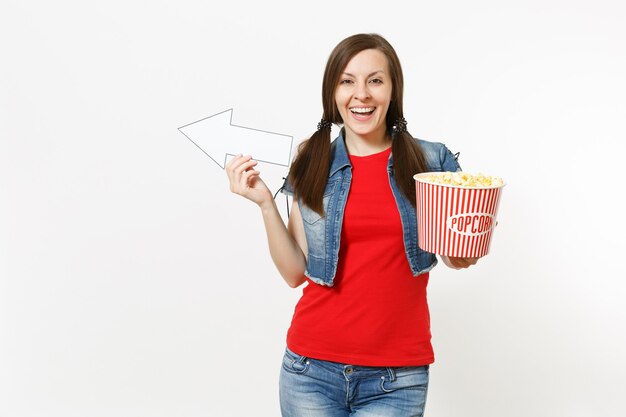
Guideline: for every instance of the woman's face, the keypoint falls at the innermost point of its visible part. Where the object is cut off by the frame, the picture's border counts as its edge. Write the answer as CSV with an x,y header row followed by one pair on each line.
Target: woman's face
x,y
363,94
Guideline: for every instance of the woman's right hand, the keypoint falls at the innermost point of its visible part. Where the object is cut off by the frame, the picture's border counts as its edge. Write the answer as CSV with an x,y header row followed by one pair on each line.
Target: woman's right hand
x,y
245,181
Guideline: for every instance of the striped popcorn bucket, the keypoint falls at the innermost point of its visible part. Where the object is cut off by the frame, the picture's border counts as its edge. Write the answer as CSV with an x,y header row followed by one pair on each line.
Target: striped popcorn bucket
x,y
455,220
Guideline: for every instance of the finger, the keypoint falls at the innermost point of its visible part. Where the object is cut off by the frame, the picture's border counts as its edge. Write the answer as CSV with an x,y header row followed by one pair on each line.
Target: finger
x,y
245,166
230,169
234,171
460,262
243,182
232,162
240,167
467,262
234,165
249,176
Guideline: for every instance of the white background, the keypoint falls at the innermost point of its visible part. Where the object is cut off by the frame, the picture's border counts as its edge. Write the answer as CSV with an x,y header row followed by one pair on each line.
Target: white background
x,y
133,283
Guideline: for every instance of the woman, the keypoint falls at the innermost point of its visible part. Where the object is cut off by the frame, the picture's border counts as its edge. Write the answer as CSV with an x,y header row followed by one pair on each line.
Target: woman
x,y
359,341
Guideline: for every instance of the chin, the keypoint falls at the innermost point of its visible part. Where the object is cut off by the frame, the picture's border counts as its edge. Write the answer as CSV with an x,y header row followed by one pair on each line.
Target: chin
x,y
363,131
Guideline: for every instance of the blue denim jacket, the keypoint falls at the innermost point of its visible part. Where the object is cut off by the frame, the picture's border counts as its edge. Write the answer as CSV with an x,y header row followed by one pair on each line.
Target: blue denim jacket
x,y
323,233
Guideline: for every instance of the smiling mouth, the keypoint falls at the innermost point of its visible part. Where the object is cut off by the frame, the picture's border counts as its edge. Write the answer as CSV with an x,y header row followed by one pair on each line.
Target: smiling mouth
x,y
363,111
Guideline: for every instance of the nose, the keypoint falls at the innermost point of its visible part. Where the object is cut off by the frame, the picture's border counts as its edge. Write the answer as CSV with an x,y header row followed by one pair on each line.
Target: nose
x,y
361,92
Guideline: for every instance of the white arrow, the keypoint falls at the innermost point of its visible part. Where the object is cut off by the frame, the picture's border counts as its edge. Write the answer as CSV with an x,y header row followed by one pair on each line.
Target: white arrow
x,y
218,137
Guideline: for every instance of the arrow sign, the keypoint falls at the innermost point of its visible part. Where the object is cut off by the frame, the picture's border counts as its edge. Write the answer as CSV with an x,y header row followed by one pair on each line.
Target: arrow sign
x,y
218,137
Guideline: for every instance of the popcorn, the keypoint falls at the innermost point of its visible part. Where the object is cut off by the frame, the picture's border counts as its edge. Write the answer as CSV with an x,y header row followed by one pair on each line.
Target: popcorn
x,y
463,179
456,212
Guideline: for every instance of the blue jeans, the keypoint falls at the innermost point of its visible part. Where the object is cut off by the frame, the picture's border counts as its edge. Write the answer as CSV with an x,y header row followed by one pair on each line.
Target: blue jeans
x,y
316,388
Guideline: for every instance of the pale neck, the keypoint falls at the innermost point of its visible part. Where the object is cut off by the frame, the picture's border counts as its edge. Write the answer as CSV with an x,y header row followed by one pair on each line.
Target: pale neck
x,y
363,145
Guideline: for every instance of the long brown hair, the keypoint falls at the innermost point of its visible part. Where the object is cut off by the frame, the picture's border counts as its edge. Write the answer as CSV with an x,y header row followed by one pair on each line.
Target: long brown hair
x,y
309,170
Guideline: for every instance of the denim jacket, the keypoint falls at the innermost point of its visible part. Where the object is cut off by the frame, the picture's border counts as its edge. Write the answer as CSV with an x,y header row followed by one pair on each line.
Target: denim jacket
x,y
323,233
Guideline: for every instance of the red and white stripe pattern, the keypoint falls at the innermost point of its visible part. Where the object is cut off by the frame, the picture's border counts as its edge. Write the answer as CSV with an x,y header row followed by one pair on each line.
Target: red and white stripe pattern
x,y
455,221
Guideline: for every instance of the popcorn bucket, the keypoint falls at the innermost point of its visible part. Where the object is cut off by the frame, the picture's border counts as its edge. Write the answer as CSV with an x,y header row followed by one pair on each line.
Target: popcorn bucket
x,y
455,220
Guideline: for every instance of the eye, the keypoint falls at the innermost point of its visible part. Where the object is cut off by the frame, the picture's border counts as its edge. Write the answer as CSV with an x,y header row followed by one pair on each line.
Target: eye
x,y
376,81
345,81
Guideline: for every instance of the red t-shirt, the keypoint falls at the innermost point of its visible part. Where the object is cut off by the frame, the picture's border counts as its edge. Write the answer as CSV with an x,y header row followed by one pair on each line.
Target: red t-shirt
x,y
376,314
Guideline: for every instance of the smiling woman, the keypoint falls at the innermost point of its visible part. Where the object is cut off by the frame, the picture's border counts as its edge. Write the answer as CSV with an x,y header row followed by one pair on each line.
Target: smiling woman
x,y
359,341
362,98
360,72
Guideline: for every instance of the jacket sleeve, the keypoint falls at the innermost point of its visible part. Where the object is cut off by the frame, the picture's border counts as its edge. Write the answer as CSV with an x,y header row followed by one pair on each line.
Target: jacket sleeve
x,y
448,160
438,156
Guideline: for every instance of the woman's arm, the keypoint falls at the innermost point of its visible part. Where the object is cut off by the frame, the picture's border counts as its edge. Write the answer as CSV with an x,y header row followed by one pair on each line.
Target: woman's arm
x,y
287,245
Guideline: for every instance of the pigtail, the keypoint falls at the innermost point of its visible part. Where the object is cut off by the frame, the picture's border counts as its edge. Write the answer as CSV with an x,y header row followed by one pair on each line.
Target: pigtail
x,y
408,159
309,170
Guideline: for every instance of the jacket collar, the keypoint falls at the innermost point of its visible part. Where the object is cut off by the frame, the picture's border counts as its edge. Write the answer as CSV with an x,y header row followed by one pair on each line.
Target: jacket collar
x,y
339,155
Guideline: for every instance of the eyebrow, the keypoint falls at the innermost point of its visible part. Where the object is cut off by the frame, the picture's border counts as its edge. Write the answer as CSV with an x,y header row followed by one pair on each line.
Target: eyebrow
x,y
373,73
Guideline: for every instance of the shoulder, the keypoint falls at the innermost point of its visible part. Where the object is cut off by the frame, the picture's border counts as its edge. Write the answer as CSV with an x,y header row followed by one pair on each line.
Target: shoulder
x,y
438,156
430,147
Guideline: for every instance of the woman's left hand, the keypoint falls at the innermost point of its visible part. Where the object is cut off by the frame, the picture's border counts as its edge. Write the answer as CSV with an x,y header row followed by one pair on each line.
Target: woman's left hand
x,y
459,263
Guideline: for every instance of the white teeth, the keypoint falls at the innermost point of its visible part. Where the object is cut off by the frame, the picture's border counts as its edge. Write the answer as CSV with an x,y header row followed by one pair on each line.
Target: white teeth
x,y
362,109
